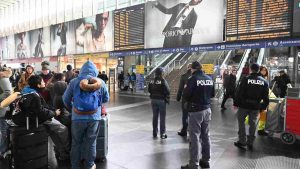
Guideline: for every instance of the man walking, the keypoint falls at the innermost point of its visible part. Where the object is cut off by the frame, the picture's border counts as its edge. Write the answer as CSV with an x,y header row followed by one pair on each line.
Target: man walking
x,y
185,114
198,93
250,92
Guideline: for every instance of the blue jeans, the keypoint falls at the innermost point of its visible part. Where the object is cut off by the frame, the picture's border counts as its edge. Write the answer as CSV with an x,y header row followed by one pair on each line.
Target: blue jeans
x,y
159,109
3,136
84,138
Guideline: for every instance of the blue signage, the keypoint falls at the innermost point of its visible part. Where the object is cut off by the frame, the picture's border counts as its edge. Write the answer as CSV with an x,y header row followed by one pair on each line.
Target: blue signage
x,y
215,47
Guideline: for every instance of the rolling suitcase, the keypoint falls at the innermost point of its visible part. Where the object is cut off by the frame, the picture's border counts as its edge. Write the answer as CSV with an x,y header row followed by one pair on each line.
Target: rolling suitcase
x,y
102,140
29,147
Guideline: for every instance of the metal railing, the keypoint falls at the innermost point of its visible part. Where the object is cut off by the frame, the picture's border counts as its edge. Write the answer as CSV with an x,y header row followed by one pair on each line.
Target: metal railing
x,y
180,63
170,66
157,65
261,56
242,64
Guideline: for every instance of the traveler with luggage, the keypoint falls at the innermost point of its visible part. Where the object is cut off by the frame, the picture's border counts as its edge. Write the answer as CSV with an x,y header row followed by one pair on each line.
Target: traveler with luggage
x,y
5,91
252,90
198,93
84,97
159,93
185,114
35,106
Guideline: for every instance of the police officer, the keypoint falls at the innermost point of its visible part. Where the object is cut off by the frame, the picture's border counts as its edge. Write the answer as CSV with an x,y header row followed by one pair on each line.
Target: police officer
x,y
252,90
159,93
183,80
198,93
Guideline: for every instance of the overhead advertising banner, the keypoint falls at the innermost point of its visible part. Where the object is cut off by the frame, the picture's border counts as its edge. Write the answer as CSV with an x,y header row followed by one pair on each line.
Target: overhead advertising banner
x,y
63,39
180,23
22,45
40,42
94,34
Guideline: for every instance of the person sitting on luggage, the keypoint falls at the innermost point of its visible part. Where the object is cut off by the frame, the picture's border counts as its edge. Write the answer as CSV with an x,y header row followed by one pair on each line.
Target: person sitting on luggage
x,y
84,97
37,105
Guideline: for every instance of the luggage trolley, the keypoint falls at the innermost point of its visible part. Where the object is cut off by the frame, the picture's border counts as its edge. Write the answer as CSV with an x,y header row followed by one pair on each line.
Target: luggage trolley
x,y
283,117
291,131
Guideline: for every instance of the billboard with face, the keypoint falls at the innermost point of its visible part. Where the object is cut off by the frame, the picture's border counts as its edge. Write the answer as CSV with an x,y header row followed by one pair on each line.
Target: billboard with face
x,y
181,23
94,34
22,45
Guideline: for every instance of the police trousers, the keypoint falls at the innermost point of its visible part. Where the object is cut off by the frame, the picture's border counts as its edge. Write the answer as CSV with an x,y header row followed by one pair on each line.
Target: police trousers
x,y
241,115
199,134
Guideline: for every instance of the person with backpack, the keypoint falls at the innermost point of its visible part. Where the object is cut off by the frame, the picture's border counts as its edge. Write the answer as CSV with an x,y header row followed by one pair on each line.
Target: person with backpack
x,y
84,97
33,103
159,93
5,91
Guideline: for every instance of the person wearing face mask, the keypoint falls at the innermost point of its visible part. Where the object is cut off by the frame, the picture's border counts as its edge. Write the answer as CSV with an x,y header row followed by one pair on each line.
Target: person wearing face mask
x,y
29,71
35,104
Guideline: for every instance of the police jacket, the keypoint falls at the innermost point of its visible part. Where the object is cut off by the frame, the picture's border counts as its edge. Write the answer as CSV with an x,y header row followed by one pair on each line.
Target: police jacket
x,y
199,90
159,89
251,91
183,81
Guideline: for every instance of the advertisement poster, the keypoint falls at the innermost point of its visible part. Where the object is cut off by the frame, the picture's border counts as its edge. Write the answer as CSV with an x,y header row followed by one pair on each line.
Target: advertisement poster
x,y
63,39
94,34
40,42
22,45
140,82
179,23
3,48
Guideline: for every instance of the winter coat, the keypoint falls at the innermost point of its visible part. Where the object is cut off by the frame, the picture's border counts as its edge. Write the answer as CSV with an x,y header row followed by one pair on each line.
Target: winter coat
x,y
5,91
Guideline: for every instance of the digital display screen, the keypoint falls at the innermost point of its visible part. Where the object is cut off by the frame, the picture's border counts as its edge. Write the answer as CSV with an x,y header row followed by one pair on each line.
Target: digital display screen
x,y
296,19
129,28
257,19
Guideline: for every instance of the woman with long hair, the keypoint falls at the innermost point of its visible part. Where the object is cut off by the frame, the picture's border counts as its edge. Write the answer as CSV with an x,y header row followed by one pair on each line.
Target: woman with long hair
x,y
264,72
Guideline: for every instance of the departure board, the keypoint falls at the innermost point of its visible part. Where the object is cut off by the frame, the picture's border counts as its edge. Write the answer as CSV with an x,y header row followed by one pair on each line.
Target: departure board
x,y
129,28
258,19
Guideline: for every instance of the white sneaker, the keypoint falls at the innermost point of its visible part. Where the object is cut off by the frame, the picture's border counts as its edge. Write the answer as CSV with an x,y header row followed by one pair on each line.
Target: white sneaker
x,y
94,166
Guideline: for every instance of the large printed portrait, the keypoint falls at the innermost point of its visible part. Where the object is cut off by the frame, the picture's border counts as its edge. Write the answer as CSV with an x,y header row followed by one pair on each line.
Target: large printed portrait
x,y
22,45
95,34
63,39
180,23
40,42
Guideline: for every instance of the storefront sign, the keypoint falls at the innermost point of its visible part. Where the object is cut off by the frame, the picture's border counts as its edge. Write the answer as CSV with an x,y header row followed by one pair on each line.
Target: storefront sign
x,y
140,69
208,68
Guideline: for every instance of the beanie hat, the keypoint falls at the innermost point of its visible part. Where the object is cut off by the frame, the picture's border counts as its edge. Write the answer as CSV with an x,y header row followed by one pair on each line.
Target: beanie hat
x,y
255,67
196,65
45,65
159,71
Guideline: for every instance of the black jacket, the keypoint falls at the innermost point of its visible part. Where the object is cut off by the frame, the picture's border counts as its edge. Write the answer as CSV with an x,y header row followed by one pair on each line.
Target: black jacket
x,y
200,89
34,105
282,81
231,85
251,91
159,89
183,81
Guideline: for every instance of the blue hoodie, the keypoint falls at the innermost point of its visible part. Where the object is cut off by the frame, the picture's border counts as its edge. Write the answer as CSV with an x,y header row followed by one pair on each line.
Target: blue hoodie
x,y
87,71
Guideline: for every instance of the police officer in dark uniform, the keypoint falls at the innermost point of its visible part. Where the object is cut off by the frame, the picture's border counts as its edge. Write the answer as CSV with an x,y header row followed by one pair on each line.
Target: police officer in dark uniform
x,y
185,114
159,93
252,90
198,93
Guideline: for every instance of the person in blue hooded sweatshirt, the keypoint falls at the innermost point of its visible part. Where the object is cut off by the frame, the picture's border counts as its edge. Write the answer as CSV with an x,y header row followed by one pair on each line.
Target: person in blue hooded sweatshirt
x,y
85,123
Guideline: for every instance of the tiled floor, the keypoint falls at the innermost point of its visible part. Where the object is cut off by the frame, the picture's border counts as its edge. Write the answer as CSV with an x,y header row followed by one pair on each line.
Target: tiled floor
x,y
131,145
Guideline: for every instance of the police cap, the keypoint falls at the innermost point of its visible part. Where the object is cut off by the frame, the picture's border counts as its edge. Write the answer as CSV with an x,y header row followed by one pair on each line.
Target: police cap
x,y
196,65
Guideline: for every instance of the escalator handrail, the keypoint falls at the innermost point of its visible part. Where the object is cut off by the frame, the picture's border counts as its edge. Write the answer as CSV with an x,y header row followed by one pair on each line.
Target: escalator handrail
x,y
170,63
224,64
185,59
152,71
242,64
261,56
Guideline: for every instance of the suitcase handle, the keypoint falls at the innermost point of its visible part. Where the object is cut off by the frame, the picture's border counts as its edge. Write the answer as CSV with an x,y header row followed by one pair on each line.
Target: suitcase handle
x,y
36,122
